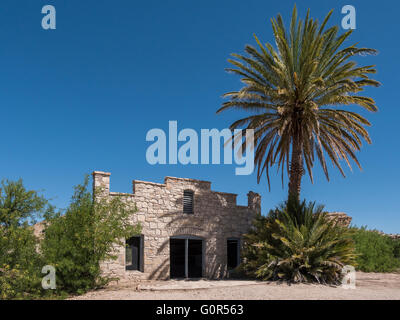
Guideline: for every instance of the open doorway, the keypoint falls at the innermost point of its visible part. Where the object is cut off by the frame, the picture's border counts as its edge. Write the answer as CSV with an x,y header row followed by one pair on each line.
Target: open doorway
x,y
134,253
177,258
186,257
233,253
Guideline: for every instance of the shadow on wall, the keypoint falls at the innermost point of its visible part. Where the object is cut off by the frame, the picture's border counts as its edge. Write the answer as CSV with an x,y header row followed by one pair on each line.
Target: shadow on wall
x,y
215,218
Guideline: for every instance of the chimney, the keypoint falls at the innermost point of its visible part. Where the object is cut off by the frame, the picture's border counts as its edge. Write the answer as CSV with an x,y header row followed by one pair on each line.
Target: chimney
x,y
101,180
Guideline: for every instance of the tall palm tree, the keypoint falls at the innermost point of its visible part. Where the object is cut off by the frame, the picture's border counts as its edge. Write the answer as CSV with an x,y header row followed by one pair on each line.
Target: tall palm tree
x,y
295,92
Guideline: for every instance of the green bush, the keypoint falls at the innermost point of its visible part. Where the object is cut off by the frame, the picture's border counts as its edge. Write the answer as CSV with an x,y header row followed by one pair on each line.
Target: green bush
x,y
297,243
376,252
76,243
20,262
396,248
20,273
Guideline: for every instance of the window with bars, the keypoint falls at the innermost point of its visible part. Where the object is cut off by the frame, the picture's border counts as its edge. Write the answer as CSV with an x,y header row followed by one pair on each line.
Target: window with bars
x,y
188,201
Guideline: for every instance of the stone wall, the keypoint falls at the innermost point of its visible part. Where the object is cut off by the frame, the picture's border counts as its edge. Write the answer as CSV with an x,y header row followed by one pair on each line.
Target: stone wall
x,y
38,229
216,218
341,217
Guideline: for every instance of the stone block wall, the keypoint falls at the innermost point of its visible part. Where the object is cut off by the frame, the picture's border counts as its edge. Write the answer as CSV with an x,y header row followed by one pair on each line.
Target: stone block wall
x,y
216,218
341,217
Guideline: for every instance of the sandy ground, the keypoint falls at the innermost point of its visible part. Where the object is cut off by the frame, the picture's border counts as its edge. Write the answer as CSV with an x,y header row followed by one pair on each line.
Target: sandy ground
x,y
368,286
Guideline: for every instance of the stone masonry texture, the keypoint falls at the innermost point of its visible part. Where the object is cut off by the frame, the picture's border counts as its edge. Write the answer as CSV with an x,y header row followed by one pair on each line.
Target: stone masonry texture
x,y
216,218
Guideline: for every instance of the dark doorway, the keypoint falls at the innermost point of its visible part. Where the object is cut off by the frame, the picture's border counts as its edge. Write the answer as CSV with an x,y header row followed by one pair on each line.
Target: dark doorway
x,y
134,253
233,253
186,258
177,258
195,259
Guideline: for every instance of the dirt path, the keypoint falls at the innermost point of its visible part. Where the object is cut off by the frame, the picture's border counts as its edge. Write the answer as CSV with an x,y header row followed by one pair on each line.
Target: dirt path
x,y
368,286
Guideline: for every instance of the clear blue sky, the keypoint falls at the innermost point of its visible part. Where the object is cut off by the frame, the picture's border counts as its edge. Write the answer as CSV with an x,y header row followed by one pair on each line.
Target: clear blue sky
x,y
82,97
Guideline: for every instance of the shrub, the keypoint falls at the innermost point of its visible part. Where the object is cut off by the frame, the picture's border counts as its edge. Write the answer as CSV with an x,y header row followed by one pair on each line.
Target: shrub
x,y
297,243
20,271
76,243
73,243
19,282
376,252
396,248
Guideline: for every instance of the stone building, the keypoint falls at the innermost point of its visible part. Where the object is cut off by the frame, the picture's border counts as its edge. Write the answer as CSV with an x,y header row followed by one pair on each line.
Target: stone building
x,y
188,230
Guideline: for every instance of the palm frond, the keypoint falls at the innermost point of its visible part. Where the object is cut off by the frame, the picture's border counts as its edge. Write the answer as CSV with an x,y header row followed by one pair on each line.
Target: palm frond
x,y
300,86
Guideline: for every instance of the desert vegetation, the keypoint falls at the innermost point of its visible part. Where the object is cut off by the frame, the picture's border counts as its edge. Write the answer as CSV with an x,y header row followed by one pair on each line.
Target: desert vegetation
x,y
297,243
294,94
377,252
73,241
297,94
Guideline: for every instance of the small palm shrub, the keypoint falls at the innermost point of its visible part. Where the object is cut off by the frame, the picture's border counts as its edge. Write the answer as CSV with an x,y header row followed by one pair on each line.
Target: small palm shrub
x,y
297,243
376,252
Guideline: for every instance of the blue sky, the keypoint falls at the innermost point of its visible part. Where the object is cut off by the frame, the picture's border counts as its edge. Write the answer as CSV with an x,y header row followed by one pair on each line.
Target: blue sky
x,y
82,97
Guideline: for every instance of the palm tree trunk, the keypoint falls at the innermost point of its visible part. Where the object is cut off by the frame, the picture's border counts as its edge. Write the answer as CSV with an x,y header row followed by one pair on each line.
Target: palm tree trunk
x,y
296,167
